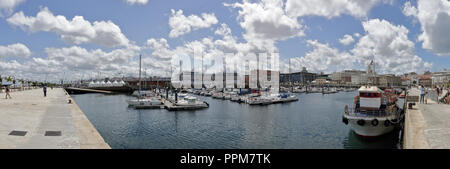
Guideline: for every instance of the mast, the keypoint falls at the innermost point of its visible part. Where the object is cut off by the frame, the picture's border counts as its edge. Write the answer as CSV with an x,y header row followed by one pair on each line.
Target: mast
x,y
139,76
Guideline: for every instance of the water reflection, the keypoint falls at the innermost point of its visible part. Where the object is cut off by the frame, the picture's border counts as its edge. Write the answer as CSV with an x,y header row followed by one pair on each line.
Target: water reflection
x,y
387,141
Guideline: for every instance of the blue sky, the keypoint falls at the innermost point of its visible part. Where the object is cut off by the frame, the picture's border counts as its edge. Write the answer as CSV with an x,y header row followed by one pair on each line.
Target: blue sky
x,y
141,22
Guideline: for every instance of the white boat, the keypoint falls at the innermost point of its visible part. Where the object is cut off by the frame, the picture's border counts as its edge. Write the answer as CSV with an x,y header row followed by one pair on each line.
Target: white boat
x,y
140,102
235,98
315,90
373,114
329,90
145,103
218,95
190,102
261,100
299,90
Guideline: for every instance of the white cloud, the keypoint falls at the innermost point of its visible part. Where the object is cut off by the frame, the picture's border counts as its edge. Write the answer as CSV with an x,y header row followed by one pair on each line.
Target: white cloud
x,y
140,2
329,9
434,17
346,40
390,48
14,50
224,30
7,6
409,10
267,20
181,24
76,58
323,58
76,31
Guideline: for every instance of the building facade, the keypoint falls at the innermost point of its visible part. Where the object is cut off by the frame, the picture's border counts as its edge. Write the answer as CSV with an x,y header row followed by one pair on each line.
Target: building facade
x,y
440,78
297,78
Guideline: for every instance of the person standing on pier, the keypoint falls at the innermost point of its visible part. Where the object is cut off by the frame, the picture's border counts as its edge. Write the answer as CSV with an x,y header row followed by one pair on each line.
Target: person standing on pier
x,y
422,94
7,92
45,91
438,92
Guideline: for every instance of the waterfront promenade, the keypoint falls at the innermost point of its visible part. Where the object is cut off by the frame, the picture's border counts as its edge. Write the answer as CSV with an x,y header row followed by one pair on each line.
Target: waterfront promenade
x,y
30,120
427,126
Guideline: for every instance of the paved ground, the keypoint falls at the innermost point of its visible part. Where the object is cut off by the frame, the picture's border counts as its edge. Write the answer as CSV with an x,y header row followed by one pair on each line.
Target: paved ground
x,y
31,112
428,125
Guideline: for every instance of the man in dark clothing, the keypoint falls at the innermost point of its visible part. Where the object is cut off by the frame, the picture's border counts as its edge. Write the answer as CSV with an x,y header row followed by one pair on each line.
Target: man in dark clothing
x,y
45,91
7,92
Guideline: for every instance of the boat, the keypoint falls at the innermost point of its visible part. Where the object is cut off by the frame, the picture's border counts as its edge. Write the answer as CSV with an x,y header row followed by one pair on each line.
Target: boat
x,y
374,112
315,90
208,94
329,91
235,98
283,98
142,102
218,95
259,100
299,90
151,102
191,102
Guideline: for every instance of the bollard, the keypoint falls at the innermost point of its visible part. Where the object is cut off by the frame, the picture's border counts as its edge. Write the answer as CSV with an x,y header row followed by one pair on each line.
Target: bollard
x,y
70,101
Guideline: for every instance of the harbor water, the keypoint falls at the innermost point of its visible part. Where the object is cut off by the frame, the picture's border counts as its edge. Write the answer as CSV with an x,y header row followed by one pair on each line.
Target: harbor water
x,y
315,121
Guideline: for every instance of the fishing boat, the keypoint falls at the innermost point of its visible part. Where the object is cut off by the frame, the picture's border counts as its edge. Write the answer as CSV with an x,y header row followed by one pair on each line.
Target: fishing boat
x,y
374,112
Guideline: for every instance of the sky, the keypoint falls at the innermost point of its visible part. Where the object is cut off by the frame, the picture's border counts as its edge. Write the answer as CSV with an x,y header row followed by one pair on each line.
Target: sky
x,y
73,39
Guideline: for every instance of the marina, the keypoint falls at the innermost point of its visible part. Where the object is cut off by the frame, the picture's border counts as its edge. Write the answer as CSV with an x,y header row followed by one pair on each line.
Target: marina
x,y
227,124
241,74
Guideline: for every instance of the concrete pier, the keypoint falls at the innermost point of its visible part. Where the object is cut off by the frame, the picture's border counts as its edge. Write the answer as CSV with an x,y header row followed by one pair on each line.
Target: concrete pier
x,y
30,120
427,126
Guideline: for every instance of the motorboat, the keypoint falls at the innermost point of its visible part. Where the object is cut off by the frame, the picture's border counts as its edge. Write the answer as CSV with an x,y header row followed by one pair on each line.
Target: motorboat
x,y
191,102
152,102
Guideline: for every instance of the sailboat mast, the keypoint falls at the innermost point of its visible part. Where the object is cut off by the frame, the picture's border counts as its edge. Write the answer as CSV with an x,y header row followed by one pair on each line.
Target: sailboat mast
x,y
139,76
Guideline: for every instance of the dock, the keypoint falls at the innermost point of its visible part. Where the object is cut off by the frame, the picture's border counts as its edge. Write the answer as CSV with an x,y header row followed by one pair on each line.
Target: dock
x,y
427,126
31,121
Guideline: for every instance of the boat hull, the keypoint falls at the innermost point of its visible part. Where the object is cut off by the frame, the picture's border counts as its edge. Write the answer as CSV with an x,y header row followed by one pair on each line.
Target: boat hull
x,y
369,130
144,104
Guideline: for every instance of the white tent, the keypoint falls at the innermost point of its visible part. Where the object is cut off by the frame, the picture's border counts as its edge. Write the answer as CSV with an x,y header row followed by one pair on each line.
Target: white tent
x,y
115,83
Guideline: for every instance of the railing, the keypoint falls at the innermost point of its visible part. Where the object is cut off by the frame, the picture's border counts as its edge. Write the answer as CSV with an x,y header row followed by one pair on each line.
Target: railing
x,y
356,112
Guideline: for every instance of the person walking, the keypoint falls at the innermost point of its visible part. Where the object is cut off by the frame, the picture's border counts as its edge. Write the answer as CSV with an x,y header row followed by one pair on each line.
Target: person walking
x,y
422,94
438,91
7,92
45,91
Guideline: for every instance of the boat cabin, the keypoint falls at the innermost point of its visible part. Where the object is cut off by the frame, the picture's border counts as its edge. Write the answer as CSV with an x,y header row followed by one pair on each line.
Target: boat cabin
x,y
370,98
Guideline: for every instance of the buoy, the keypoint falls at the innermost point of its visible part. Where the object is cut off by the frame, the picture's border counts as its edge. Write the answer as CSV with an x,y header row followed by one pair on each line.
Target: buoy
x,y
344,120
361,122
374,122
387,123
